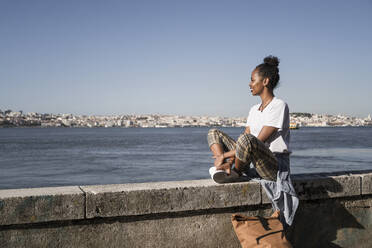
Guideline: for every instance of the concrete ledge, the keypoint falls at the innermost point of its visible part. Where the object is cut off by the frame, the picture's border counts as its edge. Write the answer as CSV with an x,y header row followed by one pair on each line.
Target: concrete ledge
x,y
33,205
366,184
321,186
21,206
324,185
183,214
151,198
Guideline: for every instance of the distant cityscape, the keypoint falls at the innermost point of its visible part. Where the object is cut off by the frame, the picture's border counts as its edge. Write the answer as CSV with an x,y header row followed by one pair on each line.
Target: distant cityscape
x,y
11,118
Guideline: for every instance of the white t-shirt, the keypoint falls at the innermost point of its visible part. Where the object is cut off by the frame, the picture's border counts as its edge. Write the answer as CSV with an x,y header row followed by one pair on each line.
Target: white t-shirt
x,y
275,114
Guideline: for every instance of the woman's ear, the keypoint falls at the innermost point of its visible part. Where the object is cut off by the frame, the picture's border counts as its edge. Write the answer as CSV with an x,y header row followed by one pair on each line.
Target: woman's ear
x,y
266,82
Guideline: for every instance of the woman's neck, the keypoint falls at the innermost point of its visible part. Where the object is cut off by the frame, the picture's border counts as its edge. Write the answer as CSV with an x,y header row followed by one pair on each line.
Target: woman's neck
x,y
266,98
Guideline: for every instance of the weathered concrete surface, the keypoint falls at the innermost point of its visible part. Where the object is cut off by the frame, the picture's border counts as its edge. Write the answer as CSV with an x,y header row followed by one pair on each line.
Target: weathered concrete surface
x,y
334,222
150,198
335,211
204,230
41,205
324,185
366,183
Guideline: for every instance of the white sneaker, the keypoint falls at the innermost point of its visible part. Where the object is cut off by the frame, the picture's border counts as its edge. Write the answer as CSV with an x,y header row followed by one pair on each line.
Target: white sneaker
x,y
220,176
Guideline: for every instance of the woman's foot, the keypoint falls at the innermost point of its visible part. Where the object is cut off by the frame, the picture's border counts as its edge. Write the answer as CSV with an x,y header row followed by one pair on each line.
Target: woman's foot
x,y
221,176
226,167
276,214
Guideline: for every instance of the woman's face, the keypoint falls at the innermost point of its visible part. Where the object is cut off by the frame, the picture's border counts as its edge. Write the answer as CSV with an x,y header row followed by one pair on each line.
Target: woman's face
x,y
256,85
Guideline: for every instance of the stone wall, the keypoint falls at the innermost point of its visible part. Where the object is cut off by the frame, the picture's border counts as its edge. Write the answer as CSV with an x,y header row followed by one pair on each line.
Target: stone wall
x,y
335,211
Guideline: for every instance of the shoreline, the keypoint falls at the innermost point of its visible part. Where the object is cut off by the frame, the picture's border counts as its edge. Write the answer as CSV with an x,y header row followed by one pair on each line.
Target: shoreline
x,y
62,127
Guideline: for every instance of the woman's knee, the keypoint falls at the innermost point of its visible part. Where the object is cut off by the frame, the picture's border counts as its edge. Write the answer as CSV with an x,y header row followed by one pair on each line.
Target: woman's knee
x,y
244,141
213,136
213,133
213,130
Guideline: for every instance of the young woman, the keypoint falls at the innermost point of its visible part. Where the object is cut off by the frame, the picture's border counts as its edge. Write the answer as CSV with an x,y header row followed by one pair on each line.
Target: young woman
x,y
264,143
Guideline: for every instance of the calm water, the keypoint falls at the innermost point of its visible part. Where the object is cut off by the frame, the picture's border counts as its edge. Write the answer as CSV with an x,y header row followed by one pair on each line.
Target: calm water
x,y
37,157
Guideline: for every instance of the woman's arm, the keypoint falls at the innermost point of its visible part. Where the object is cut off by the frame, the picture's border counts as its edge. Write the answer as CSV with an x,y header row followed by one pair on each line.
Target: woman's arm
x,y
266,132
247,130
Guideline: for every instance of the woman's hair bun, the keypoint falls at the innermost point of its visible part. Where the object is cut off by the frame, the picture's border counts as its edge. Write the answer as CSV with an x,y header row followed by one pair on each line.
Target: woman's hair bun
x,y
271,60
269,69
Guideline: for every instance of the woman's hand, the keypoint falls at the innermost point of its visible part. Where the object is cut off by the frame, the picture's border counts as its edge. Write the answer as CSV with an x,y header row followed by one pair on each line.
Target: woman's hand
x,y
226,167
218,160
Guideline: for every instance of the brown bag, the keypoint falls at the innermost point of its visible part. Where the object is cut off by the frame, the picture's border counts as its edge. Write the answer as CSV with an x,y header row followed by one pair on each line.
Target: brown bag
x,y
259,231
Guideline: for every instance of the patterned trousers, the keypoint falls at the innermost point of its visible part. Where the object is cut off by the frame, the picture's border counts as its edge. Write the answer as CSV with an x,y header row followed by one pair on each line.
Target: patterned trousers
x,y
248,149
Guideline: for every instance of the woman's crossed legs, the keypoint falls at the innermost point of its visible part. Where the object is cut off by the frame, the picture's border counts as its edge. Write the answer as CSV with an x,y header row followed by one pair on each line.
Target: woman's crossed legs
x,y
247,149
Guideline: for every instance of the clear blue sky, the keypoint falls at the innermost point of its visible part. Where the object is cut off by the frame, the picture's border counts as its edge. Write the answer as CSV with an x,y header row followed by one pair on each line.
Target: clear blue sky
x,y
183,57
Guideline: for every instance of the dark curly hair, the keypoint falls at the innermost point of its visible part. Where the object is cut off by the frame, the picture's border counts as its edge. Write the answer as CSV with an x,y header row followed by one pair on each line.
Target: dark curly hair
x,y
269,69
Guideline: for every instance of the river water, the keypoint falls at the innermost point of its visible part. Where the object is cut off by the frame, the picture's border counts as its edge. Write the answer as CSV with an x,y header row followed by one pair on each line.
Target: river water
x,y
39,157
